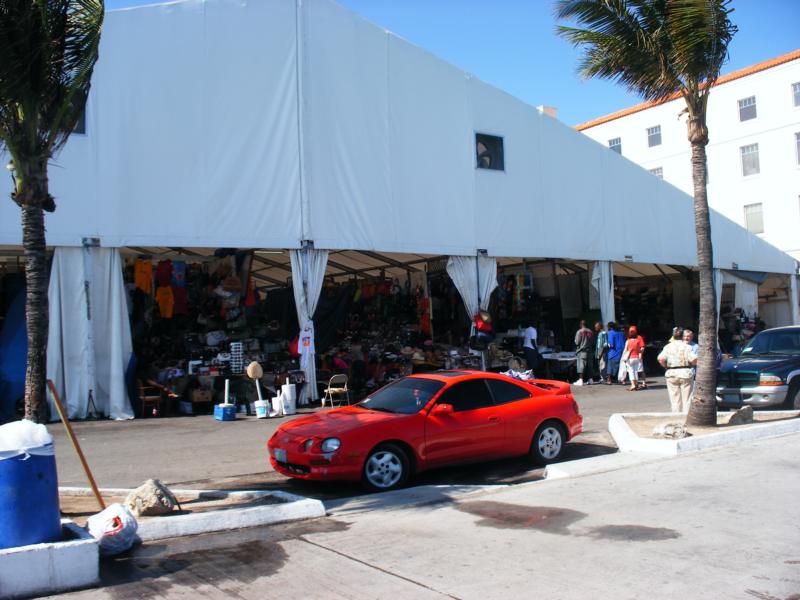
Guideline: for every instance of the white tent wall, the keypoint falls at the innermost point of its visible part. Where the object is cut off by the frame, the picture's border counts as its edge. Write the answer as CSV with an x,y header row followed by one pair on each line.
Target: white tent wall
x,y
192,136
213,132
85,353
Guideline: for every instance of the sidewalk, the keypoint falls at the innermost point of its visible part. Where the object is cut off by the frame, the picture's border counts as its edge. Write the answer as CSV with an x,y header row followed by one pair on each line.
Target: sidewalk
x,y
715,524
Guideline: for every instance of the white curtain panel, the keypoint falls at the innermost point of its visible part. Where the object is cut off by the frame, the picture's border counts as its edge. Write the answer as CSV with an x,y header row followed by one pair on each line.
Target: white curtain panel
x,y
473,276
793,298
89,350
603,282
308,274
745,293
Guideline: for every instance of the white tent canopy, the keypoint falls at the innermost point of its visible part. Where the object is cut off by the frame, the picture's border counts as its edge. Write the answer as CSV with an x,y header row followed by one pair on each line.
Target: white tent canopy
x,y
263,124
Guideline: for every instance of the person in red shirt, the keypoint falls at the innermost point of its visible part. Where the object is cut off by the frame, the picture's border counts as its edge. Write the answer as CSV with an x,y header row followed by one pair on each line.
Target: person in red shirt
x,y
634,348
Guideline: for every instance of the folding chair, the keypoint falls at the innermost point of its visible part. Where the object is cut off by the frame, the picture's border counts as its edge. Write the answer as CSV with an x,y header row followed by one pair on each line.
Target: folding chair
x,y
337,388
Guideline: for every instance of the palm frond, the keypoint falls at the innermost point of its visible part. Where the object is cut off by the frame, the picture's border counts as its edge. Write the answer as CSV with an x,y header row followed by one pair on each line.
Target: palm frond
x,y
653,47
49,49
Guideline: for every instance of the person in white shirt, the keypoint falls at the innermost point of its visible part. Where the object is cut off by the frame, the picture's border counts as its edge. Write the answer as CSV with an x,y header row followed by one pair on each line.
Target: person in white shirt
x,y
529,347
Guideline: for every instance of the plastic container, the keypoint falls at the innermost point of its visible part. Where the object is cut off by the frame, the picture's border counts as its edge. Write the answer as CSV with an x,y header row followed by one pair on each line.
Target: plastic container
x,y
225,412
288,399
262,409
29,511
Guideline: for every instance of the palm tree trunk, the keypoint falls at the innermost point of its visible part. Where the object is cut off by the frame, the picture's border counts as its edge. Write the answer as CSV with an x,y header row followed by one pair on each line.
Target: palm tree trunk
x,y
36,307
703,410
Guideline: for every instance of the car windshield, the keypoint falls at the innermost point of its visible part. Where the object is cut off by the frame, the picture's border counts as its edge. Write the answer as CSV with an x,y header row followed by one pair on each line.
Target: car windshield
x,y
773,342
404,396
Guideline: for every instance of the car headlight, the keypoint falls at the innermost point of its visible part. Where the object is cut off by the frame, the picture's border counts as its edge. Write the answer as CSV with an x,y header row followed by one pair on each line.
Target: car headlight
x,y
767,379
330,445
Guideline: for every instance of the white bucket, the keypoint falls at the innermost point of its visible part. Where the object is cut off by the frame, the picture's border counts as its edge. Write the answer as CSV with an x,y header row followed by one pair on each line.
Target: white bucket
x,y
277,406
262,412
289,398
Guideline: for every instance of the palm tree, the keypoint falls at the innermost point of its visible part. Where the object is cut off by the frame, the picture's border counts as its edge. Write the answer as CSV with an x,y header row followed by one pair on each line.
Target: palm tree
x,y
48,49
665,49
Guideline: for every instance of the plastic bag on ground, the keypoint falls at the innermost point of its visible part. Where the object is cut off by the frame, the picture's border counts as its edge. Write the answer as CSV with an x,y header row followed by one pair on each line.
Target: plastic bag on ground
x,y
115,528
18,436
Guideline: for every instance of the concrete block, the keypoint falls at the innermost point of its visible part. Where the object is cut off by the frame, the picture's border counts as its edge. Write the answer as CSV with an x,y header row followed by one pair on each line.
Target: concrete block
x,y
627,440
53,568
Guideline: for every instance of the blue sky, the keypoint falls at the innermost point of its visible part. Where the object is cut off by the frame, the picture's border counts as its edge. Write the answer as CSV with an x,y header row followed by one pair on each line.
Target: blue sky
x,y
512,44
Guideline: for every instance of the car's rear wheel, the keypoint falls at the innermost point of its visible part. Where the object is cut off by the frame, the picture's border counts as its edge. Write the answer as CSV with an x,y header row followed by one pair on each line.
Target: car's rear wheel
x,y
387,468
548,442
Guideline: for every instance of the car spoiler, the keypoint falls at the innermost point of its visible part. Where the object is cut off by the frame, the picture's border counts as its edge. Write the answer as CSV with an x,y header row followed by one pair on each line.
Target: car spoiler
x,y
555,387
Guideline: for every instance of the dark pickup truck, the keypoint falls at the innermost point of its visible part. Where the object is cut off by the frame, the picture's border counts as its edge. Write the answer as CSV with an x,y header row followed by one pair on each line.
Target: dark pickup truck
x,y
767,373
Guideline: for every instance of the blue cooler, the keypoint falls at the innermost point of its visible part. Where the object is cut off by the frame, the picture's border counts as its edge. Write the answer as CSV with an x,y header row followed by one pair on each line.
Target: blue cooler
x,y
223,412
29,512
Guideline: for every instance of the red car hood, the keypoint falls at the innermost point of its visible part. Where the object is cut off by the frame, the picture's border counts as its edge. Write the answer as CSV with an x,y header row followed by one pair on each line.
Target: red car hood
x,y
334,422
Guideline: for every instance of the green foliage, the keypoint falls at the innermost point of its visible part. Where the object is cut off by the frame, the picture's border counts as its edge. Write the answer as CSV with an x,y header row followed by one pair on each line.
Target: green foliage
x,y
655,48
48,49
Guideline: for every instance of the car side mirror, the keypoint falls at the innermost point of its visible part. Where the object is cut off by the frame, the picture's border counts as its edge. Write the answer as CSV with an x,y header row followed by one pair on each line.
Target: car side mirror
x,y
442,409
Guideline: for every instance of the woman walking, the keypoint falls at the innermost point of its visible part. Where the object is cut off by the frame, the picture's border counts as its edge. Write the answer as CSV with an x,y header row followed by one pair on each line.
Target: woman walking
x,y
633,356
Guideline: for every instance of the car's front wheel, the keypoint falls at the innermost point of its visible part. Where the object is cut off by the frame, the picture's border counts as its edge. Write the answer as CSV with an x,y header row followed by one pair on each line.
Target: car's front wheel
x,y
387,468
548,442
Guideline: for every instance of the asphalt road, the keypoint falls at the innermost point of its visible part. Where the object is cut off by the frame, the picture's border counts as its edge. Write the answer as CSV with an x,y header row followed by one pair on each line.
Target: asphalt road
x,y
199,452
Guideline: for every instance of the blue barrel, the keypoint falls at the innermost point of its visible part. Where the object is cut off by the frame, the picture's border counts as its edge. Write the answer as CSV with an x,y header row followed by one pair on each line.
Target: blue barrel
x,y
29,511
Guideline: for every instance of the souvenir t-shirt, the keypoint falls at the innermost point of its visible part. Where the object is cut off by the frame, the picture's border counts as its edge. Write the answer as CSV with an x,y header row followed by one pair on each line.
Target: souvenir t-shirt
x,y
164,273
143,275
166,301
178,273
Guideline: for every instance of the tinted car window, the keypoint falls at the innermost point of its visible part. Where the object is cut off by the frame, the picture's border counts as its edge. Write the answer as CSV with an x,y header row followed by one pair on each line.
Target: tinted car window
x,y
467,395
404,396
505,392
773,342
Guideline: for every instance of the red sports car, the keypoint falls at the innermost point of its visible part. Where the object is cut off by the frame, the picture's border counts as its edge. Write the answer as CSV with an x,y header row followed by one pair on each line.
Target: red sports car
x,y
426,421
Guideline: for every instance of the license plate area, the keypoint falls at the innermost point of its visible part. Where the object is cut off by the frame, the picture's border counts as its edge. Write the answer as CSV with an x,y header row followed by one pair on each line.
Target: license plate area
x,y
279,454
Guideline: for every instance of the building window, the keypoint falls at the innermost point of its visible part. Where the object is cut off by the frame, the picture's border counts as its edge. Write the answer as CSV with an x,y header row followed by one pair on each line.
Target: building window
x,y
489,152
750,164
747,108
797,146
654,136
754,218
658,172
796,93
616,145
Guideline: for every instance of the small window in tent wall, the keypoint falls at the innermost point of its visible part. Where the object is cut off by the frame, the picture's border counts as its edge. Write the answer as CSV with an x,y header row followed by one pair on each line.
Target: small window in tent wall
x,y
489,152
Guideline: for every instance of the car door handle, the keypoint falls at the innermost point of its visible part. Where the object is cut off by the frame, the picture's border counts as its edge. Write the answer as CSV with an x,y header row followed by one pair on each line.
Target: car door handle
x,y
494,419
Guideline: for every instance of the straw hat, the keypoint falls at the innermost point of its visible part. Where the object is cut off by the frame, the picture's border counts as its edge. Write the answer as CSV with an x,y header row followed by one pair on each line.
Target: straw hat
x,y
407,351
418,356
254,370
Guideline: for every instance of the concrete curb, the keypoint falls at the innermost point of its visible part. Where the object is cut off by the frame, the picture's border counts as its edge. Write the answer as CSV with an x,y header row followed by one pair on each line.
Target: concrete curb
x,y
628,441
596,464
288,508
41,569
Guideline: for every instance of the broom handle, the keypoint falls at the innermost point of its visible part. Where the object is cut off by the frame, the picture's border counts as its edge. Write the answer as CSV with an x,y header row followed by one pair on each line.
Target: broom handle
x,y
75,444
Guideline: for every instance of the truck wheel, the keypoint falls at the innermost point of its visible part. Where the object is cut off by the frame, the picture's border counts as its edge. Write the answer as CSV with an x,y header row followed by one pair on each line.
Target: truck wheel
x,y
793,397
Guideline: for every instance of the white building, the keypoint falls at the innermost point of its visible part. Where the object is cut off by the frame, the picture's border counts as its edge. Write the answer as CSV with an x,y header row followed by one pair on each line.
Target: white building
x,y
753,152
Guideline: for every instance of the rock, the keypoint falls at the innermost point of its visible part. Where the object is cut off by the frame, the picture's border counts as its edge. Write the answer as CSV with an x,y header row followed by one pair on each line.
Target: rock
x,y
674,431
151,498
741,416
